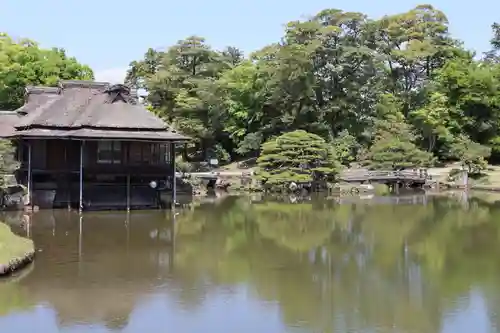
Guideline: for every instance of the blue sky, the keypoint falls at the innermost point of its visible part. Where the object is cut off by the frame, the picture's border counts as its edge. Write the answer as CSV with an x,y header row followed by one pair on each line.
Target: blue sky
x,y
108,34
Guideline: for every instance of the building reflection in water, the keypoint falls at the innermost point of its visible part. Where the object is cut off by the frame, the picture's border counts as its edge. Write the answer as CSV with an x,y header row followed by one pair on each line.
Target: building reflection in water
x,y
109,250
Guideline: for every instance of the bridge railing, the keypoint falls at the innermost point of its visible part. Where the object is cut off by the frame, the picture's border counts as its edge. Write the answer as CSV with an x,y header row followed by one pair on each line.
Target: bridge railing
x,y
385,174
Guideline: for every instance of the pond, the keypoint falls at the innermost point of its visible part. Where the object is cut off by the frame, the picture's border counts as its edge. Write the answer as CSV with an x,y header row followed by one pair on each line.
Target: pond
x,y
418,264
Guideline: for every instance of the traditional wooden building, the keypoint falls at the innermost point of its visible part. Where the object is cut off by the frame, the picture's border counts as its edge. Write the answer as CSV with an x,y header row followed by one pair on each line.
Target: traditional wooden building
x,y
91,145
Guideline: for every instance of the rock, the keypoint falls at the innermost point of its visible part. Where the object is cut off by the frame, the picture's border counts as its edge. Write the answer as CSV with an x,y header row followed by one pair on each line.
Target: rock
x,y
222,183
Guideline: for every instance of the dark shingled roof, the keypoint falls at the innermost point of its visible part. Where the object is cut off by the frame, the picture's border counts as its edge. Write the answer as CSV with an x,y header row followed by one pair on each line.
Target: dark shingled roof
x,y
37,96
87,109
8,120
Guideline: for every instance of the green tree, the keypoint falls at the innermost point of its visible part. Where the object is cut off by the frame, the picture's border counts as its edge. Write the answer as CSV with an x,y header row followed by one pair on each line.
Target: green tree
x,y
494,54
346,147
394,141
181,88
23,62
471,154
414,45
242,98
332,75
390,152
472,91
296,156
433,121
8,163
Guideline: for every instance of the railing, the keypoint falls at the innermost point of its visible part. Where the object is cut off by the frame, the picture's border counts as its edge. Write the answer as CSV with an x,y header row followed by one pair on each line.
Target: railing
x,y
419,174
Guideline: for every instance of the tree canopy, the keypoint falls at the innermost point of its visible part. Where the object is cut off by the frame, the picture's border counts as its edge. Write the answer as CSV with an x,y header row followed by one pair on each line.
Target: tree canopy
x,y
365,86
23,62
336,75
296,156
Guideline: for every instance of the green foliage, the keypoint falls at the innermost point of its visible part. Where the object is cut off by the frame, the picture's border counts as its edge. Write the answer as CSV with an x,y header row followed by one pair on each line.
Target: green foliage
x,y
390,152
181,85
296,156
471,154
385,90
221,154
8,163
433,121
339,75
394,141
494,54
23,63
346,147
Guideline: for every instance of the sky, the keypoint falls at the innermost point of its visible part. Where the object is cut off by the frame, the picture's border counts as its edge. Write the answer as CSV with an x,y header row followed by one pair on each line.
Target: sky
x,y
108,34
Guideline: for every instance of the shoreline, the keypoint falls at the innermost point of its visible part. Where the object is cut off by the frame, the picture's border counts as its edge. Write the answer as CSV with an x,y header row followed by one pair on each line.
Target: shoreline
x,y
16,264
16,251
483,188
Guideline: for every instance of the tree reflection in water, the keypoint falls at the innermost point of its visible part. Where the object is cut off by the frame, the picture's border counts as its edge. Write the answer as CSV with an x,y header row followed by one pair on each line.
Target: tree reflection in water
x,y
356,266
330,268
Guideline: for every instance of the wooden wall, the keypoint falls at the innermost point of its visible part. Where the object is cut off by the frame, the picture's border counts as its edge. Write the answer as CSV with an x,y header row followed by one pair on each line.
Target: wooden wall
x,y
64,155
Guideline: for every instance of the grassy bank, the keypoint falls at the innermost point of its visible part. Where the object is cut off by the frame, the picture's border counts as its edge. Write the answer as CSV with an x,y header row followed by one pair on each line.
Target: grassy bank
x,y
14,249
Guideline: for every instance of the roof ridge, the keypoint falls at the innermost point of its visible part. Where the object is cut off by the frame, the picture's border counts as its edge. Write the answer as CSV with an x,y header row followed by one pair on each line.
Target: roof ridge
x,y
42,90
64,84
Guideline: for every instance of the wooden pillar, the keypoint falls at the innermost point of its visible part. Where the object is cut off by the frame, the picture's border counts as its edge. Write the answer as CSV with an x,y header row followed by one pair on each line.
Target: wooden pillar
x,y
127,228
80,243
30,187
68,175
82,143
128,192
172,241
174,180
27,222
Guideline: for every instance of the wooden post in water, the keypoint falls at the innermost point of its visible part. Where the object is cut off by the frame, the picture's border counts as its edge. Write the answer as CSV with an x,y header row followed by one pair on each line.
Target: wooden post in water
x,y
172,241
30,189
127,227
67,176
80,241
174,180
81,176
27,222
128,192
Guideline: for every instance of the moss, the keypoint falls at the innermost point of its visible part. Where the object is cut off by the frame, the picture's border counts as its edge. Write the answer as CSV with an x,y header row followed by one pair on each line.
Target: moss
x,y
13,247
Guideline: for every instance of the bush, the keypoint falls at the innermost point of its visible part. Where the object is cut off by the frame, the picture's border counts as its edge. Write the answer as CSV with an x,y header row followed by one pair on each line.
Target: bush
x,y
8,163
296,156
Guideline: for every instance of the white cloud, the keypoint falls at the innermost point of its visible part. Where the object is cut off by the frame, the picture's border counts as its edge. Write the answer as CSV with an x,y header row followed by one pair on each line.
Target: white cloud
x,y
111,75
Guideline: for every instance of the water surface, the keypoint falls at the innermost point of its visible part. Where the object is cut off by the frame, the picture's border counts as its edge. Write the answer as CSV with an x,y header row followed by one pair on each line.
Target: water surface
x,y
423,265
